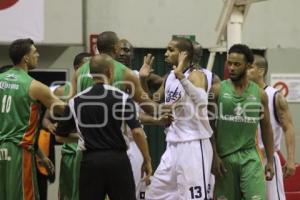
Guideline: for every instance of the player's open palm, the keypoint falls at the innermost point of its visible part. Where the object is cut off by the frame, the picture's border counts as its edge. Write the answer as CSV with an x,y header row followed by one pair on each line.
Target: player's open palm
x,y
178,70
146,69
182,58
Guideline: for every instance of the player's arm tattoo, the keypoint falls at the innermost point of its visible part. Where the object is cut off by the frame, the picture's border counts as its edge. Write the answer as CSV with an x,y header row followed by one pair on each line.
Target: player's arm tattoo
x,y
286,122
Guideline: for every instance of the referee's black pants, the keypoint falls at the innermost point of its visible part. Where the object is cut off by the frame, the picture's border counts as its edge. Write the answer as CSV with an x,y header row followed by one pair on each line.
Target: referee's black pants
x,y
106,172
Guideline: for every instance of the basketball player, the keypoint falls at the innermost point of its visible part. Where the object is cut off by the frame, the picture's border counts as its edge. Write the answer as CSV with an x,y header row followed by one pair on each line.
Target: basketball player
x,y
282,124
237,165
185,167
19,99
135,157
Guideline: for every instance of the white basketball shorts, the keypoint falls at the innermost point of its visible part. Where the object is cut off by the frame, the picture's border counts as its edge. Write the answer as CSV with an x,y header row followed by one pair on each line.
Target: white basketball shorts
x,y
183,173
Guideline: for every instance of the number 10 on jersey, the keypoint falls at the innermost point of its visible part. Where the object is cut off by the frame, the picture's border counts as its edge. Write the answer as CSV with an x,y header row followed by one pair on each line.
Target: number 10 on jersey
x,y
6,104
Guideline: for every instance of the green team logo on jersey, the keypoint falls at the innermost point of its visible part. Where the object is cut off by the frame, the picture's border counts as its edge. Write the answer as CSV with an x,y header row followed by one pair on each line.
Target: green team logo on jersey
x,y
239,110
241,113
11,77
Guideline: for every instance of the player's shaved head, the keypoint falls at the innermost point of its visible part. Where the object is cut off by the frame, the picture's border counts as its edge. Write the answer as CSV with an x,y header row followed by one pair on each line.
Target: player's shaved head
x,y
126,42
102,65
106,41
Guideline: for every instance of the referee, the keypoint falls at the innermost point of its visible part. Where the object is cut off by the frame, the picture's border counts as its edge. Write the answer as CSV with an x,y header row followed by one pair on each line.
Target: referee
x,y
99,113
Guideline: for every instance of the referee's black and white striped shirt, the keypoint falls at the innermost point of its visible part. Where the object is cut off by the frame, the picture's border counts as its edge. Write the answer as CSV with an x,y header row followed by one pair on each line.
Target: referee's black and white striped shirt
x,y
98,114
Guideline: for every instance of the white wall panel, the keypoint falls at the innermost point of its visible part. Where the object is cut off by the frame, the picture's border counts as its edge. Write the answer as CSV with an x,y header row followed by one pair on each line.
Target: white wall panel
x,y
63,22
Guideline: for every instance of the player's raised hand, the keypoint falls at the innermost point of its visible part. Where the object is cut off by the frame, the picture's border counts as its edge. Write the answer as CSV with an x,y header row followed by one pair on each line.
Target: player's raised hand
x,y
146,69
182,58
178,70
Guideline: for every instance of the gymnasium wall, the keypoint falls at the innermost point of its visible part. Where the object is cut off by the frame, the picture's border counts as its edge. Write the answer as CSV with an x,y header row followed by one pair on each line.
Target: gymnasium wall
x,y
270,23
63,22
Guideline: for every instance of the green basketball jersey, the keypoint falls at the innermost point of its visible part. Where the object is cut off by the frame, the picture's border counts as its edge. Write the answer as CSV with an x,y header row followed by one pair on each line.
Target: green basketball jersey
x,y
18,112
85,79
119,75
68,147
238,118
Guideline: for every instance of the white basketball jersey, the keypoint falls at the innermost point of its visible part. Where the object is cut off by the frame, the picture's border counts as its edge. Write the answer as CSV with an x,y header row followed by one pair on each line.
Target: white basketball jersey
x,y
190,122
209,77
276,127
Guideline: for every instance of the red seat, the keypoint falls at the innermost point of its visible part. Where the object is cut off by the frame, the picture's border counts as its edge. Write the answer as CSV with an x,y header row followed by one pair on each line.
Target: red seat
x,y
292,195
292,184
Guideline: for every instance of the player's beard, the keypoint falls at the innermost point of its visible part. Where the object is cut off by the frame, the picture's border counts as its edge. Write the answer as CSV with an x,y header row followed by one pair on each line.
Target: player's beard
x,y
239,77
